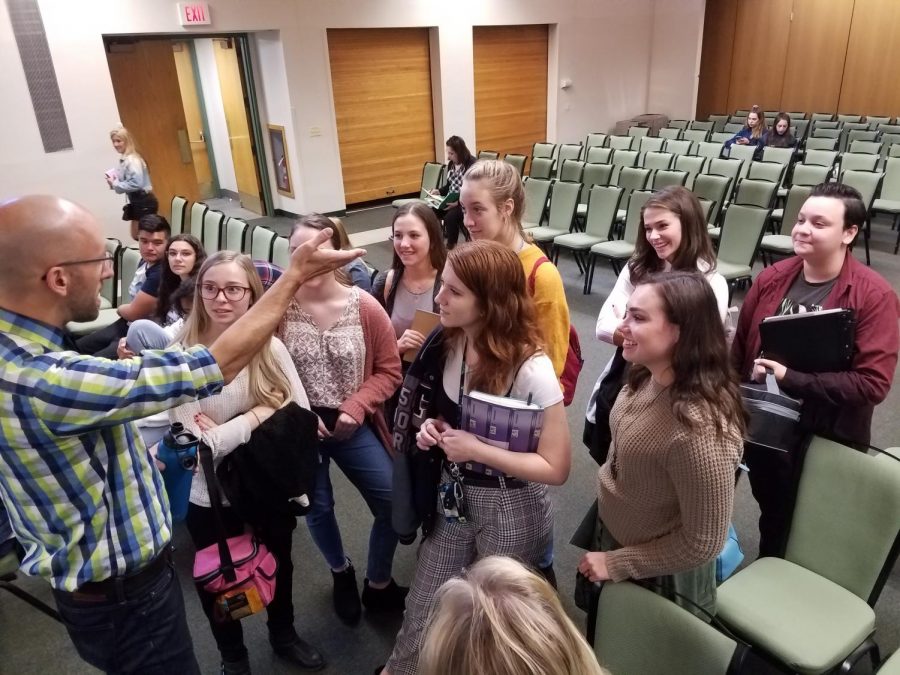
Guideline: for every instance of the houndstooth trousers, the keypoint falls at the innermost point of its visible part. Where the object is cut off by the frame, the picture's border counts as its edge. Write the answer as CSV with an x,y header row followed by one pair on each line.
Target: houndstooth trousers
x,y
501,521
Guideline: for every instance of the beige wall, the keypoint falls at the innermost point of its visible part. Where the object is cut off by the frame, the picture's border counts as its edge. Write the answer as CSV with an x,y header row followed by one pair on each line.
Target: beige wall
x,y
602,46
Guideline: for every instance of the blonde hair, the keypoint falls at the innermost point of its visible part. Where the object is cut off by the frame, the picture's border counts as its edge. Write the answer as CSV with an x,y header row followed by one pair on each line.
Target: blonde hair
x,y
760,127
338,226
123,134
269,386
502,619
503,182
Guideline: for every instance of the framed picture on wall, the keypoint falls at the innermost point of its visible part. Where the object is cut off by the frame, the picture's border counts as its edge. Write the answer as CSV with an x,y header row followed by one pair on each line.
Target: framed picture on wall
x,y
280,161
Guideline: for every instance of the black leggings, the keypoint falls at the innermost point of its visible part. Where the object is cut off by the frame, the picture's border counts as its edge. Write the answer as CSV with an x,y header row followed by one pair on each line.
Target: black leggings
x,y
453,224
277,536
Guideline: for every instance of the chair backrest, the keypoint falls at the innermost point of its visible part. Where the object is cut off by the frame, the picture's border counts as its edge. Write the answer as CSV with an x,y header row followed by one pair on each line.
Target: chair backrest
x,y
281,252
541,167
488,154
735,169
623,158
666,178
595,139
867,182
780,155
745,153
773,171
852,538
212,230
599,155
717,119
432,175
679,124
816,117
720,137
128,264
261,240
571,170
877,120
632,178
801,127
603,205
639,631
827,133
888,140
858,161
821,144
679,147
796,196
621,142
110,287
596,174
563,203
670,133
871,147
703,125
888,128
714,188
568,151
707,149
692,165
734,126
827,124
235,235
638,131
890,188
696,135
656,160
633,215
198,210
536,193
651,144
756,192
810,174
797,115
543,150
861,134
894,150
708,208
820,157
176,218
518,161
742,231
849,118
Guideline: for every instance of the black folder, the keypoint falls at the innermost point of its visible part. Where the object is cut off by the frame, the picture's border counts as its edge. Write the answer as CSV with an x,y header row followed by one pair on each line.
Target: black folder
x,y
811,342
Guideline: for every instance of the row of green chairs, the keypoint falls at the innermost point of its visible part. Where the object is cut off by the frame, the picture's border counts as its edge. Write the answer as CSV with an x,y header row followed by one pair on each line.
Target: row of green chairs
x,y
114,290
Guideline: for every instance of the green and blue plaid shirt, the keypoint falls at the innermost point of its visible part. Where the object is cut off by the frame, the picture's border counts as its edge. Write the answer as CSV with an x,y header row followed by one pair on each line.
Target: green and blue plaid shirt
x,y
85,498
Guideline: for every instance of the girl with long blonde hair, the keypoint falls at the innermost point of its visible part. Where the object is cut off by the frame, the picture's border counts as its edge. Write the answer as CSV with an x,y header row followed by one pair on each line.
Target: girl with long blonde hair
x,y
226,287
131,178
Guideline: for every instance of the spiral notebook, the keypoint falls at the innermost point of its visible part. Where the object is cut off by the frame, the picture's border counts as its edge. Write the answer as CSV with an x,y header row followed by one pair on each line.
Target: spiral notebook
x,y
811,342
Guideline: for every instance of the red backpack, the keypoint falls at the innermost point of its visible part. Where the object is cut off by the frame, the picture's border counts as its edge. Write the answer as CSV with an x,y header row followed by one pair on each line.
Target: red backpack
x,y
574,362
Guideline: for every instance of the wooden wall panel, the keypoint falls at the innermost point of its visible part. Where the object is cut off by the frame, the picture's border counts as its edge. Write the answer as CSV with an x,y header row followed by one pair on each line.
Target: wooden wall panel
x,y
719,27
185,68
814,66
510,87
872,69
760,46
381,83
145,83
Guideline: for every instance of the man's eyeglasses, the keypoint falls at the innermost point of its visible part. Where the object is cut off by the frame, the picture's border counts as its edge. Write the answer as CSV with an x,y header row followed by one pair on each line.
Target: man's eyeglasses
x,y
107,261
231,293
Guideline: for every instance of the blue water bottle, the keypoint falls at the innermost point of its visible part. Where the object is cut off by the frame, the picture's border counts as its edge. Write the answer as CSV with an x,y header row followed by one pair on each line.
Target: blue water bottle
x,y
178,451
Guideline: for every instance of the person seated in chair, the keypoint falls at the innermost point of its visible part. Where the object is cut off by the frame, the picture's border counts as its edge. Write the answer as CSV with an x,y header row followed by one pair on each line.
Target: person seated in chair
x,y
822,275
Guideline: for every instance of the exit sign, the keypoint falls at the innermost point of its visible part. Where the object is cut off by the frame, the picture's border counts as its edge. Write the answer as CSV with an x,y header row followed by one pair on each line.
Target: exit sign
x,y
194,13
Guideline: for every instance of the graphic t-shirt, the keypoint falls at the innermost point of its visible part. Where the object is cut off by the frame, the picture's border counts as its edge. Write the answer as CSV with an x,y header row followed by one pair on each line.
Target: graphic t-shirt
x,y
804,296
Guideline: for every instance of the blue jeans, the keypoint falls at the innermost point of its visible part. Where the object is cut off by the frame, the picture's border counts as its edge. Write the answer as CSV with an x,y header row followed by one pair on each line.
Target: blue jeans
x,y
145,334
367,464
145,633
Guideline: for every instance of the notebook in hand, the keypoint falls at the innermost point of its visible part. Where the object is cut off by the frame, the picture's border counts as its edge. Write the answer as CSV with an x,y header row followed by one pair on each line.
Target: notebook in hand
x,y
507,423
812,342
439,202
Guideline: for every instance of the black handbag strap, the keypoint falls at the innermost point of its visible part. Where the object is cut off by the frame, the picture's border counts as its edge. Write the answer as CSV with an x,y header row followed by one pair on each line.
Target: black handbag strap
x,y
226,564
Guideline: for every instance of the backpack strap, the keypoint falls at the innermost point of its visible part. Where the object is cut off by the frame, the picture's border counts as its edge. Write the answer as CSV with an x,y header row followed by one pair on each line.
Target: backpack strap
x,y
531,277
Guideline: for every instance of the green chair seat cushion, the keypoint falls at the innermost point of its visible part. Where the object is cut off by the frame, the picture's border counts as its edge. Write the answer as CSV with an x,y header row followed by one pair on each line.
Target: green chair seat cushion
x,y
780,243
613,249
106,317
888,205
546,233
803,619
731,270
529,226
105,303
581,210
577,240
8,564
621,213
891,666
777,214
715,232
397,203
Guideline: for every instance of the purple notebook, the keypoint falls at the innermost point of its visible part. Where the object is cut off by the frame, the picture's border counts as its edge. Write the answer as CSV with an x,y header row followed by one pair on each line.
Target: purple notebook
x,y
506,423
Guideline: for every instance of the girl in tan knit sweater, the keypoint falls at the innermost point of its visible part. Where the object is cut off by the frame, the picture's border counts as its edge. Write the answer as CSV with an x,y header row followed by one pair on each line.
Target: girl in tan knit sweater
x,y
667,489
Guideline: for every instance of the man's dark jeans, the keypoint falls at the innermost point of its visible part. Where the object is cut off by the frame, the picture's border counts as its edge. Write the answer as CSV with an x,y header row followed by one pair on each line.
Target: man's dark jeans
x,y
144,632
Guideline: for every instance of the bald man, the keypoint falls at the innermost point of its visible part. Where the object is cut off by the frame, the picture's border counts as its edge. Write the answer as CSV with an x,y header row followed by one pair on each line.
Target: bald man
x,y
84,498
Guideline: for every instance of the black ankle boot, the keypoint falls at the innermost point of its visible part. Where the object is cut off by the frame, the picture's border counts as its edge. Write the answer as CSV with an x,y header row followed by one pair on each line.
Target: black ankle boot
x,y
391,598
346,596
293,648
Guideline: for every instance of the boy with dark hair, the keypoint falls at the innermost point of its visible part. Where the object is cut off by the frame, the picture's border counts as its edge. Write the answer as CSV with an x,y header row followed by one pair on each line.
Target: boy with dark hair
x,y
822,275
153,233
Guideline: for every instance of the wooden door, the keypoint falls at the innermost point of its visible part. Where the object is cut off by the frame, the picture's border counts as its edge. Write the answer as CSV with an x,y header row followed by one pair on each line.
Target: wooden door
x,y
236,119
510,88
715,63
872,69
381,84
760,50
818,40
148,96
184,66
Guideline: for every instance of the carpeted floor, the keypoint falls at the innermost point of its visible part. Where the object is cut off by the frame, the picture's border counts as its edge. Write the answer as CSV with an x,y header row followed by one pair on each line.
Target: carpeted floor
x,y
32,644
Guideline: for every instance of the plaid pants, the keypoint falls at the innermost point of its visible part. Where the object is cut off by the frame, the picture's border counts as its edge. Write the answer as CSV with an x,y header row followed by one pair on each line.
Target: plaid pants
x,y
510,522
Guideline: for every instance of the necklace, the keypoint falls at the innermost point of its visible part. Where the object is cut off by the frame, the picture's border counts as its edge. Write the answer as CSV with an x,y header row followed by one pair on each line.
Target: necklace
x,y
417,288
